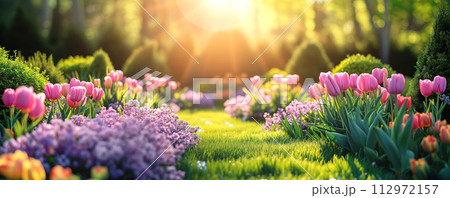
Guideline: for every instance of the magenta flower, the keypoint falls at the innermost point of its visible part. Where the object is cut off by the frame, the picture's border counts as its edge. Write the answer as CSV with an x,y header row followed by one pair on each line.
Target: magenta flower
x,y
322,77
396,84
9,97
379,74
342,80
65,89
439,84
77,94
113,75
292,79
384,95
75,82
316,91
52,91
277,78
426,87
354,81
255,80
24,99
97,94
89,88
367,83
173,85
402,99
39,107
331,85
75,104
119,75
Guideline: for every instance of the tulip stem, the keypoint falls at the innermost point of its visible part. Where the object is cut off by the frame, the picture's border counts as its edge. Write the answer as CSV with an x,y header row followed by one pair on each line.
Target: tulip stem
x,y
11,116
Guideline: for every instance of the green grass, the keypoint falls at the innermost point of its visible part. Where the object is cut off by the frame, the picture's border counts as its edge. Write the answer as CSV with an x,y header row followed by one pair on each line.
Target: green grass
x,y
245,151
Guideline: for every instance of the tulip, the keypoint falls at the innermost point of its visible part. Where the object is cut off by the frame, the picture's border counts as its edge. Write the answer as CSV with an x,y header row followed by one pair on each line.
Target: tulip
x,y
20,166
99,173
426,87
97,83
39,107
402,99
444,134
120,84
9,97
173,85
322,77
396,84
139,89
316,91
391,124
418,165
342,80
34,170
367,83
384,95
60,173
113,75
415,124
108,82
331,85
75,82
24,99
255,80
77,94
292,79
354,81
97,94
89,88
119,75
439,84
438,125
425,120
65,89
52,91
277,78
75,104
379,74
429,144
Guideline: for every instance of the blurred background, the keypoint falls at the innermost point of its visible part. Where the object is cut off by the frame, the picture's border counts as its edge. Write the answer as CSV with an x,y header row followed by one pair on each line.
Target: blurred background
x,y
224,36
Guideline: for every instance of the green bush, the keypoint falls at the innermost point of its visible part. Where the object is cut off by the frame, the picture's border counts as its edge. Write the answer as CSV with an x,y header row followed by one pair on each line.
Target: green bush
x,y
46,65
358,64
268,75
101,64
15,73
435,58
75,65
114,41
149,56
308,60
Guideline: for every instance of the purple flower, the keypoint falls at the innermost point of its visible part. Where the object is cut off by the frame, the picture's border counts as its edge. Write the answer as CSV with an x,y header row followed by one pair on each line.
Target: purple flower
x,y
296,109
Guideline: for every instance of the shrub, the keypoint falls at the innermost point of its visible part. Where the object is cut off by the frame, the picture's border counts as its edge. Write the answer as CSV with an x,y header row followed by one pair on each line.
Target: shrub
x,y
149,56
46,65
308,60
268,75
435,58
75,65
114,41
15,73
101,64
359,64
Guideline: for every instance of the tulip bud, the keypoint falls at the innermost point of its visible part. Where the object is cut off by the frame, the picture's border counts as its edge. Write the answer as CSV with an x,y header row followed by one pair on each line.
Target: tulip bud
x,y
429,144
439,84
34,170
75,104
60,173
425,120
378,74
354,81
402,99
20,166
426,87
444,134
108,82
75,82
113,75
415,124
39,107
89,88
97,94
77,94
438,125
97,83
9,97
367,83
419,167
342,80
99,173
173,85
396,84
65,89
24,99
52,91
255,79
119,75
391,124
384,95
316,91
330,84
292,79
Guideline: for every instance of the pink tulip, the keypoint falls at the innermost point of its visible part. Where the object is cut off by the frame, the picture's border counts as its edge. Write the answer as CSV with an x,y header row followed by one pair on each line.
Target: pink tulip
x,y
331,85
426,87
255,80
77,94
52,91
108,82
316,91
75,104
119,74
379,74
277,78
120,84
139,89
384,95
75,82
439,84
173,85
39,107
97,83
322,77
396,84
354,81
402,99
89,88
292,79
97,94
25,99
342,80
114,76
65,89
9,97
367,83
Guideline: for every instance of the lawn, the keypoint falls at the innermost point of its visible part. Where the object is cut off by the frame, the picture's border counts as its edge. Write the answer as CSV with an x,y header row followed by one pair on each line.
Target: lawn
x,y
232,149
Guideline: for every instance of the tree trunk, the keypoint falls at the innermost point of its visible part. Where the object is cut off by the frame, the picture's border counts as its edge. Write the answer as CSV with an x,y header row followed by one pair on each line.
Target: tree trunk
x,y
44,14
383,34
78,14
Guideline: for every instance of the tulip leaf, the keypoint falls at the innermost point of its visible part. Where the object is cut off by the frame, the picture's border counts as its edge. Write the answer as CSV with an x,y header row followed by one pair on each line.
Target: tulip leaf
x,y
371,154
389,148
398,123
403,139
340,139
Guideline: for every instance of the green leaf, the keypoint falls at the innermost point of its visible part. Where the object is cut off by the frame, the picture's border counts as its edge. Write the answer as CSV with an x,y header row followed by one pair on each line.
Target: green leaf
x,y
389,148
339,139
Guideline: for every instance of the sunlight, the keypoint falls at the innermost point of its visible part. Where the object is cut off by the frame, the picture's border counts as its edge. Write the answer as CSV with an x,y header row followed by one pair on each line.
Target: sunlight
x,y
216,15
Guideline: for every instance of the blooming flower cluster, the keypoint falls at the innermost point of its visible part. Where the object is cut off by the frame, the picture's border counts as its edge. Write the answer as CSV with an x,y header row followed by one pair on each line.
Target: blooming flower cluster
x,y
18,165
296,109
126,145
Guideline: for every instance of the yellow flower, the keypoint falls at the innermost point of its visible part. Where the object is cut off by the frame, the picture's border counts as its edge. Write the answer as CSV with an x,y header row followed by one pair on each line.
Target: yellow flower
x,y
20,166
99,172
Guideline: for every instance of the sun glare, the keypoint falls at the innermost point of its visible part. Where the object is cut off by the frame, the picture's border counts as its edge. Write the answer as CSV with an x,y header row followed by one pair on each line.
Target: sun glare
x,y
216,15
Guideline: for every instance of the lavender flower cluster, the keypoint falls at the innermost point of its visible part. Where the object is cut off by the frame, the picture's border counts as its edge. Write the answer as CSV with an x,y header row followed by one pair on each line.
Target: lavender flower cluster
x,y
239,106
295,108
127,144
